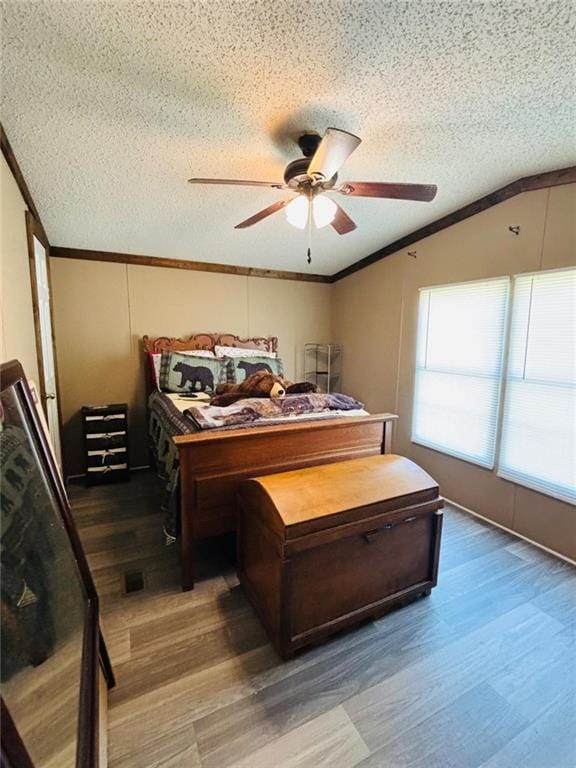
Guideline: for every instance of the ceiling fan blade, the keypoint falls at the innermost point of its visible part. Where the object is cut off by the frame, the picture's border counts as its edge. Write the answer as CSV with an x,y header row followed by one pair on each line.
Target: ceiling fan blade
x,y
262,214
342,223
239,183
333,151
423,192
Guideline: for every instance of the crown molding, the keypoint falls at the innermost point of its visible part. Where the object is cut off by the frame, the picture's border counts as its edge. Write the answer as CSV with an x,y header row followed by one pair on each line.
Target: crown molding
x,y
195,266
526,184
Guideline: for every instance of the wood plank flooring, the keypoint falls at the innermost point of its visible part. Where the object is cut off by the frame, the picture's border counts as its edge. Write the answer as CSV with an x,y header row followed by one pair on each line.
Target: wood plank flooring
x,y
482,674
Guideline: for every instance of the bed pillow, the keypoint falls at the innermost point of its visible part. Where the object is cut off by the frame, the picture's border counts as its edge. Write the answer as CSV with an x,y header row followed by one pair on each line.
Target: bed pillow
x,y
241,352
244,366
193,373
198,352
154,359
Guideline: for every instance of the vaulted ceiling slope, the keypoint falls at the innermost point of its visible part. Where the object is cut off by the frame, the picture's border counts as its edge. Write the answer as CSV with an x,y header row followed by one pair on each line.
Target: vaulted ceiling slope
x,y
111,106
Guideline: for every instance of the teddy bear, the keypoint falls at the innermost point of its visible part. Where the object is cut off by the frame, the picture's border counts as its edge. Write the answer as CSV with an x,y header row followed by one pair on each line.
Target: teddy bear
x,y
259,384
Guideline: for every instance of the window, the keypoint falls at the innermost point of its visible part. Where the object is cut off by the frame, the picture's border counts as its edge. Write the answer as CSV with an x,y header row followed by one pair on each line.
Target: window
x,y
538,446
459,368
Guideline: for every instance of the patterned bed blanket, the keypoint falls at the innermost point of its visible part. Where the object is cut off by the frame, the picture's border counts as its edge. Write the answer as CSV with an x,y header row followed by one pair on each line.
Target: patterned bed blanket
x,y
165,421
268,411
170,416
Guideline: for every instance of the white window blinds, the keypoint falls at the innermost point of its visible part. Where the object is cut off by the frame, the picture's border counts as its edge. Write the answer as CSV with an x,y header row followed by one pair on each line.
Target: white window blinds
x,y
538,446
459,368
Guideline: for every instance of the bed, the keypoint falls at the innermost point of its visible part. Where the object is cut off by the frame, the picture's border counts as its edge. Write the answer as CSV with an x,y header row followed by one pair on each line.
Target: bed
x,y
203,469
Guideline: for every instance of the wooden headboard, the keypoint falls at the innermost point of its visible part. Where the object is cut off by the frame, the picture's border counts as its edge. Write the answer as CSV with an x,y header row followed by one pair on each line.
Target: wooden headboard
x,y
208,341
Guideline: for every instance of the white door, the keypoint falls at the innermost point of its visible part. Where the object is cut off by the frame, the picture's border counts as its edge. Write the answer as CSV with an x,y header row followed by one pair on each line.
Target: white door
x,y
47,347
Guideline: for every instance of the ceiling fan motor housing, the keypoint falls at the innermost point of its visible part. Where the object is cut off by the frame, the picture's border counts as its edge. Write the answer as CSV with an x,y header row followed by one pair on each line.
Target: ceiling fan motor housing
x,y
296,172
296,175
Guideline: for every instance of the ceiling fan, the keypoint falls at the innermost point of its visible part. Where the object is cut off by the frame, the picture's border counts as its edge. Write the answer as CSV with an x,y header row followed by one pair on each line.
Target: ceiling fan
x,y
315,174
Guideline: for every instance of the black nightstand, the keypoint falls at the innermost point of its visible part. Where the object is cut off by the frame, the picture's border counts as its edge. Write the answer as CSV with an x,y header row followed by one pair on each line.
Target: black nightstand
x,y
106,442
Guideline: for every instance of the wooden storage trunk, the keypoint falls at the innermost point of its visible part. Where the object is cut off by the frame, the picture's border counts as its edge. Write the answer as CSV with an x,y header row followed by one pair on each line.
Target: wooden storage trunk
x,y
322,548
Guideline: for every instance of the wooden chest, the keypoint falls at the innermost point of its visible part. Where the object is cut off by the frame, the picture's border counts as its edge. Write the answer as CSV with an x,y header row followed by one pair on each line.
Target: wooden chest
x,y
323,548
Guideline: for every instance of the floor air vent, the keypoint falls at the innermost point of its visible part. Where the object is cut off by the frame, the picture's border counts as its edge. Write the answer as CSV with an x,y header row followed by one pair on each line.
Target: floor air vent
x,y
133,582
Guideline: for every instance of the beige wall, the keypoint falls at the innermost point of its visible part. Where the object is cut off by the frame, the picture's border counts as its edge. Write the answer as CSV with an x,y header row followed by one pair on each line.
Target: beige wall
x,y
375,314
102,310
17,334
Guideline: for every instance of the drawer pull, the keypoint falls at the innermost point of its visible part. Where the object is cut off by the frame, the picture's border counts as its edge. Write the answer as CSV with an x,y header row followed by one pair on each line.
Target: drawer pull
x,y
371,536
103,435
106,417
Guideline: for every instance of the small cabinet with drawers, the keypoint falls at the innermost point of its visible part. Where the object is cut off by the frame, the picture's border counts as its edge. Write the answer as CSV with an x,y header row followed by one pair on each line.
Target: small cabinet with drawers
x,y
106,442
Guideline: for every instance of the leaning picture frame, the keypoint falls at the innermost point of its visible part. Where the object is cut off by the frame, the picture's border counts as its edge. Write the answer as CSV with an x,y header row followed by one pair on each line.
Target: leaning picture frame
x,y
52,647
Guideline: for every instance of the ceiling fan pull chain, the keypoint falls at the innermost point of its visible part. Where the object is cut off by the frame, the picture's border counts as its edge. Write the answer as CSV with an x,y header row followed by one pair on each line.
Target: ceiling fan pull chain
x,y
309,251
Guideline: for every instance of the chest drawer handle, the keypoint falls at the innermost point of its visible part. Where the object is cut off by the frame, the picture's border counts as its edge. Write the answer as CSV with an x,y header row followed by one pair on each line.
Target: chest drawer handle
x,y
409,519
371,536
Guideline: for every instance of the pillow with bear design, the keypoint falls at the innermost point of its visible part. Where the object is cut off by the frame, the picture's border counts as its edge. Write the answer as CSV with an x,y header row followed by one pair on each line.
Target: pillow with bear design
x,y
193,373
244,366
154,359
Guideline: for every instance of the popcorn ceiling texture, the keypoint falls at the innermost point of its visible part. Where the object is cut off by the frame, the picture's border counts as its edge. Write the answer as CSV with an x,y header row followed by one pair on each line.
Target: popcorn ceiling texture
x,y
111,106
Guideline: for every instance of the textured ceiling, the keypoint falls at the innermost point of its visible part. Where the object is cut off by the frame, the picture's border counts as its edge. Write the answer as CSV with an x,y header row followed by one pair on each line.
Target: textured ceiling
x,y
111,106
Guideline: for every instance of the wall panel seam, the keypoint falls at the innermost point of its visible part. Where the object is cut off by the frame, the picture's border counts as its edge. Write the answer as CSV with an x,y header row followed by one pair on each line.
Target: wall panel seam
x,y
400,345
129,306
544,228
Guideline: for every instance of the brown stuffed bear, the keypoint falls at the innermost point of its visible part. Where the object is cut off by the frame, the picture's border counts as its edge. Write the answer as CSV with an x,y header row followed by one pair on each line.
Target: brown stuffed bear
x,y
259,384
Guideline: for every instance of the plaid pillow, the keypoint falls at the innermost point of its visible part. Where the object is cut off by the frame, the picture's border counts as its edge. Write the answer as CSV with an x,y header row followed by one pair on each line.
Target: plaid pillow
x,y
192,373
244,366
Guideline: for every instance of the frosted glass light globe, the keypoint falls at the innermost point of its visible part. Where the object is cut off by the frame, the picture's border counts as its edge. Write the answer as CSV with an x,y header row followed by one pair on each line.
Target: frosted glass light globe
x,y
297,212
323,211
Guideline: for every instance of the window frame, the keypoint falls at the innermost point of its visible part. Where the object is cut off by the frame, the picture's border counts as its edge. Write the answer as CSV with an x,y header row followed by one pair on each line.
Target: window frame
x,y
512,478
490,465
495,466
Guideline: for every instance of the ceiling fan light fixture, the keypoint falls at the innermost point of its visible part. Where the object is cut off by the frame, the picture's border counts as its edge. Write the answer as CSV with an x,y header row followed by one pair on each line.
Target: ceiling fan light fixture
x,y
323,211
297,212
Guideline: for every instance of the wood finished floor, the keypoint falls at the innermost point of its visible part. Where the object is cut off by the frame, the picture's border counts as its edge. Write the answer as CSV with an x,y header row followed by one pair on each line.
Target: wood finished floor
x,y
482,674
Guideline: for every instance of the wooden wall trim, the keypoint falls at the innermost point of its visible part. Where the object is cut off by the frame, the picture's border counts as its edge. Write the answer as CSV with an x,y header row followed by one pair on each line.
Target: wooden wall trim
x,y
526,184
34,230
8,153
196,266
549,179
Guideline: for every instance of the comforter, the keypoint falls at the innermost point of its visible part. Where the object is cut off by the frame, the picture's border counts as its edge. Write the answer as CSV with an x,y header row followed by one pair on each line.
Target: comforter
x,y
266,411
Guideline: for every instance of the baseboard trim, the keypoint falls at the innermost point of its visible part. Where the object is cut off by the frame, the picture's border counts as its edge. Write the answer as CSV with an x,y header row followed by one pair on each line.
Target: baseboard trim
x,y
509,530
